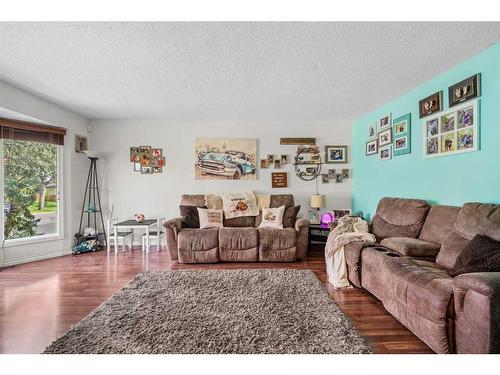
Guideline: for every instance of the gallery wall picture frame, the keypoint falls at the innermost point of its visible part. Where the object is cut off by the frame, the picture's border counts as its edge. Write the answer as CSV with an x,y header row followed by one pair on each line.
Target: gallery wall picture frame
x,y
324,178
264,163
81,143
384,137
384,121
385,153
313,216
371,147
454,131
431,104
336,154
464,90
147,159
372,131
401,130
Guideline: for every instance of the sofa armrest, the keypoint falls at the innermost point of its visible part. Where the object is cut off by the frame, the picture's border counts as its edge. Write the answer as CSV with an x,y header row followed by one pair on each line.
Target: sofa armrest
x,y
172,229
477,312
302,228
175,224
485,283
301,223
352,253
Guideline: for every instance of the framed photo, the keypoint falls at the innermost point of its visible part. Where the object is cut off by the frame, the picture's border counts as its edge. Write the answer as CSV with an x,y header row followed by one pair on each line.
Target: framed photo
x,y
384,122
157,169
371,147
270,159
464,90
156,152
324,178
339,178
81,143
385,153
264,163
284,159
313,216
137,167
433,103
453,132
145,149
331,173
402,135
135,154
345,173
372,131
277,163
146,170
339,213
385,137
336,154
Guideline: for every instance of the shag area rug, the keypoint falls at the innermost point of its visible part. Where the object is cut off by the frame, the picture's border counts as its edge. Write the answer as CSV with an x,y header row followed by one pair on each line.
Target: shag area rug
x,y
214,311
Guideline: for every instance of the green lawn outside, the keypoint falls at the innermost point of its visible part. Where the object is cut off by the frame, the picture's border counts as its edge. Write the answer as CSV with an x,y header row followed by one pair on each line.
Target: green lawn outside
x,y
49,207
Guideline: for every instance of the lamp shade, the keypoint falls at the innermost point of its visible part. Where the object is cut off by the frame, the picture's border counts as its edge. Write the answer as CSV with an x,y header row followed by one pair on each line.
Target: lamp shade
x,y
318,201
92,154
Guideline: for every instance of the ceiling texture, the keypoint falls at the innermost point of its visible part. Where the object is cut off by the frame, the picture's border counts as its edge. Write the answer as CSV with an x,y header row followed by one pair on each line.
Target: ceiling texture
x,y
237,71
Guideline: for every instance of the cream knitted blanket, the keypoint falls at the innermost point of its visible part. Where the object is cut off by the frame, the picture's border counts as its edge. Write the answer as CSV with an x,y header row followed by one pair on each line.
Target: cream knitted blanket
x,y
349,229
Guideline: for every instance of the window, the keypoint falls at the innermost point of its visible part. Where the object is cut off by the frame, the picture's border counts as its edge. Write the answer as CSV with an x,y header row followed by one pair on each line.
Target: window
x,y
30,193
30,176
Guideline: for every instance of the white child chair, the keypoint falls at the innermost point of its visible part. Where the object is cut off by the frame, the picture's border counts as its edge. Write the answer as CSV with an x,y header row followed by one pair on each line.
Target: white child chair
x,y
157,236
126,238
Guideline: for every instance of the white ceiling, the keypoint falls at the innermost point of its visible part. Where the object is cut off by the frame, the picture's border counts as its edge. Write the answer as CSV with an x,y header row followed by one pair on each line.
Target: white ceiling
x,y
231,71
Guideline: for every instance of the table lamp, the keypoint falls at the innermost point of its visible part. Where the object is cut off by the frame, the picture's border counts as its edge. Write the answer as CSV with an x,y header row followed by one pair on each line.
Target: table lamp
x,y
318,201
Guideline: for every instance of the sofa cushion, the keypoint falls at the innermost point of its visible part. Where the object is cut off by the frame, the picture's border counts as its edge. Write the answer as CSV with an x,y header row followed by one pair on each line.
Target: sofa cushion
x,y
197,200
481,254
397,217
290,216
278,200
277,245
421,297
239,222
238,245
439,223
473,218
411,246
272,217
198,245
189,216
423,286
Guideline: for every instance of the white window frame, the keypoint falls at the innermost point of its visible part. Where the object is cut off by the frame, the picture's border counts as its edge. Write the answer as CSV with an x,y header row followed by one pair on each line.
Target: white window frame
x,y
59,235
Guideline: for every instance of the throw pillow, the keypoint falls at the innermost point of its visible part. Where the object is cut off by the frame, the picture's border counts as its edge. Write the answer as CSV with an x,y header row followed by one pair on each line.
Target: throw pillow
x,y
189,216
210,218
272,217
481,254
239,204
290,216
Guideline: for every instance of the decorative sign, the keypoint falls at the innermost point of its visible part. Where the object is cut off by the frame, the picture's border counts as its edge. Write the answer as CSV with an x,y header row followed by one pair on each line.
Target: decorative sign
x,y
297,141
279,179
433,103
464,90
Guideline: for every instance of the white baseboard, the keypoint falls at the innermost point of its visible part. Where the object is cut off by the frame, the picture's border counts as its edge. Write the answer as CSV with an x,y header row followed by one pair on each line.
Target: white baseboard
x,y
37,257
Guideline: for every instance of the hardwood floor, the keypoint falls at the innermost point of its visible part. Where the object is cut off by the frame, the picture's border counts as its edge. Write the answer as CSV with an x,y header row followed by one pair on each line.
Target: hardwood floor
x,y
40,301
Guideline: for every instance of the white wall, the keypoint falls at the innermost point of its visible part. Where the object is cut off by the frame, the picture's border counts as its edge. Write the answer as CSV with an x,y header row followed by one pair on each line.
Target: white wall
x,y
74,170
159,194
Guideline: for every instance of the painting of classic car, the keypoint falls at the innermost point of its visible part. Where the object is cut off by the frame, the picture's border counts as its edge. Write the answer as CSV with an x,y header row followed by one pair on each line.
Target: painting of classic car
x,y
225,158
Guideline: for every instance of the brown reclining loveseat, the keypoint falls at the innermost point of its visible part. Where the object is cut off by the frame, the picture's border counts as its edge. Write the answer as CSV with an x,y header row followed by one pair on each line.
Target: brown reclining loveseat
x,y
408,271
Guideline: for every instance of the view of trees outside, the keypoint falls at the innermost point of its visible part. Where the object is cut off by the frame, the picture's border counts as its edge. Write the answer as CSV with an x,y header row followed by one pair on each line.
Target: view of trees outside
x,y
30,189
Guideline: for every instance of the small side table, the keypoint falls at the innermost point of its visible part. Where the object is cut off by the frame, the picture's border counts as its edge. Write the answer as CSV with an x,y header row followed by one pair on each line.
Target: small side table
x,y
132,224
318,233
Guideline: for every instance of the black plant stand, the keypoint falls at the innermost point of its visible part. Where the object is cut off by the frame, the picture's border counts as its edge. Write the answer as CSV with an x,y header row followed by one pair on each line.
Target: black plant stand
x,y
92,207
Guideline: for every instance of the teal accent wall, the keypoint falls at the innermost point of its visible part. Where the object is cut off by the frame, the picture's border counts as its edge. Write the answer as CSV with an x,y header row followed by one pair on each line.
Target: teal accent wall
x,y
452,179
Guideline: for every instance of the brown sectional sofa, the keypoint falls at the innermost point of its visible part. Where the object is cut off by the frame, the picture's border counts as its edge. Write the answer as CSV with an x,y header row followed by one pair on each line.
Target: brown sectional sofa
x,y
408,271
239,241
